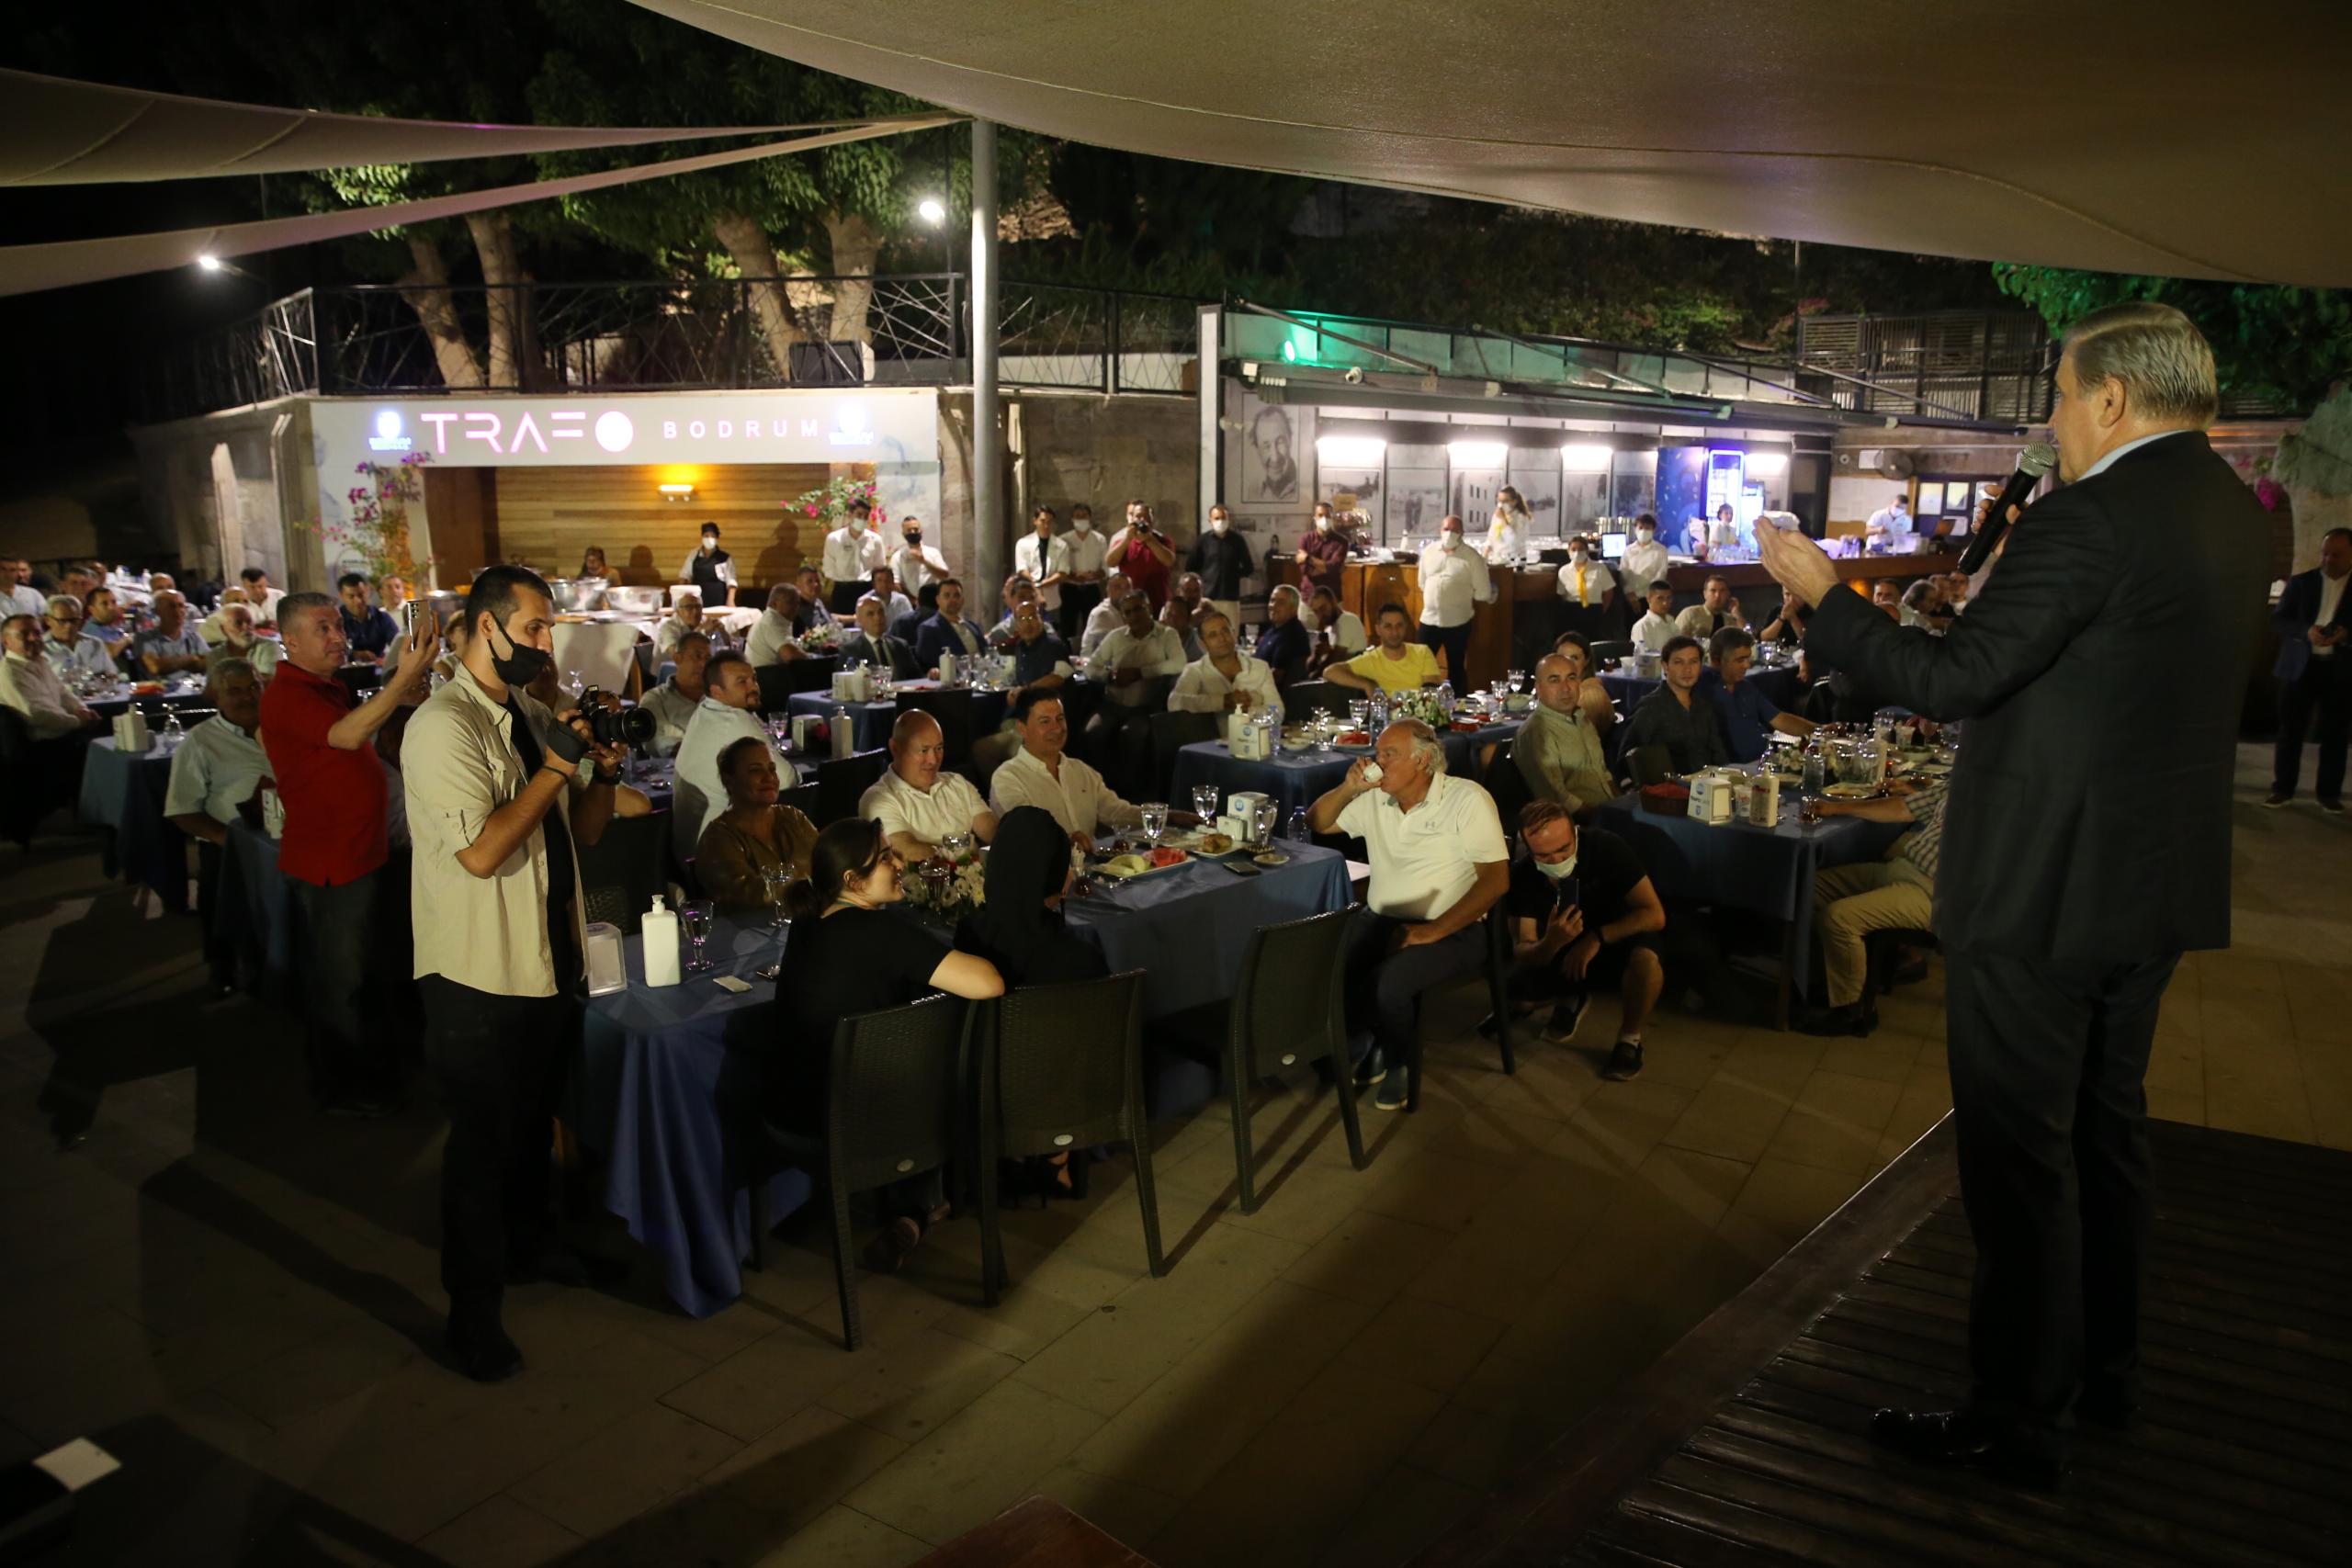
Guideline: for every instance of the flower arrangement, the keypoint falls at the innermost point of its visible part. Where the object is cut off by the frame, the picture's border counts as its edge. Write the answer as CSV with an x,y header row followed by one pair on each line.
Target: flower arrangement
x,y
823,637
836,498
1423,704
377,531
948,888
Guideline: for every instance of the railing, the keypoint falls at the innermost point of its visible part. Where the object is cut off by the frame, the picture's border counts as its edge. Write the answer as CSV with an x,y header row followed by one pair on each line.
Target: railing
x,y
898,330
1995,366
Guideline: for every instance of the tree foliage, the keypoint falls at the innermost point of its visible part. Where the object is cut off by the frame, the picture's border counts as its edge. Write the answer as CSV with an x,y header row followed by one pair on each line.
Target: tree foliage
x,y
2285,346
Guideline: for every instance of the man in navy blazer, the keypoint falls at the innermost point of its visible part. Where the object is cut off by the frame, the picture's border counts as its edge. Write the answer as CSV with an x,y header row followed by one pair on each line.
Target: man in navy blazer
x,y
949,631
2314,671
2087,847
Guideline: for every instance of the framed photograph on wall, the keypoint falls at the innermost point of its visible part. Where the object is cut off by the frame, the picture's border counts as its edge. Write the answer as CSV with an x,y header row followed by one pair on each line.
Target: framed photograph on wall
x,y
1538,485
1415,501
1277,444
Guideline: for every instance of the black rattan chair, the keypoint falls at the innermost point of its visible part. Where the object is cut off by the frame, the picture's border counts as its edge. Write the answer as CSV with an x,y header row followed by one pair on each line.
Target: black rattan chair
x,y
1319,696
1648,765
840,781
780,682
1278,1025
1508,785
1602,652
1170,733
1061,1071
1498,947
954,708
890,1113
621,872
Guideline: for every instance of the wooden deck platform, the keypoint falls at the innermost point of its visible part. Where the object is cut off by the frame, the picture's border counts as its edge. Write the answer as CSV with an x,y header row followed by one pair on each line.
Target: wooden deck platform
x,y
1748,1443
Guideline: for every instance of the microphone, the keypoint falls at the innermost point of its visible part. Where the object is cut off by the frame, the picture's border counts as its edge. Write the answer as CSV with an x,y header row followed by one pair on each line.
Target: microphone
x,y
2032,463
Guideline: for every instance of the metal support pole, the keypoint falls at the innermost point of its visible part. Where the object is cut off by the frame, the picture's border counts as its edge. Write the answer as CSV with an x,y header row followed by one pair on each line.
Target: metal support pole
x,y
990,546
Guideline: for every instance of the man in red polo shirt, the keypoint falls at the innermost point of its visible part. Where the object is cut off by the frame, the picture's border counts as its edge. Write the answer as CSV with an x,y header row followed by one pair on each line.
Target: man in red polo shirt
x,y
318,735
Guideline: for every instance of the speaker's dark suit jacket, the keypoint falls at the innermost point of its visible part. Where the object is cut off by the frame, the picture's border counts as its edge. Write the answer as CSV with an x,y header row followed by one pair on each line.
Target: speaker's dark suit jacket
x,y
889,651
2100,673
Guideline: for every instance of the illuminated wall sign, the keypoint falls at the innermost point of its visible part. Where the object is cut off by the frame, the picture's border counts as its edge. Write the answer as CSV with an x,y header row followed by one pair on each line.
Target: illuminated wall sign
x,y
860,424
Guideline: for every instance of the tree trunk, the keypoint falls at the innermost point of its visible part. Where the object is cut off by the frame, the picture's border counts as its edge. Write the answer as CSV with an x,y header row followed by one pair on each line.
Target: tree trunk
x,y
754,256
856,246
426,291
506,298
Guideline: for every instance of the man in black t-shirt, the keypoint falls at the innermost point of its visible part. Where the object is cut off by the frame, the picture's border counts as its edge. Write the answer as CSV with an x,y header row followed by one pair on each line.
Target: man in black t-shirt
x,y
1583,918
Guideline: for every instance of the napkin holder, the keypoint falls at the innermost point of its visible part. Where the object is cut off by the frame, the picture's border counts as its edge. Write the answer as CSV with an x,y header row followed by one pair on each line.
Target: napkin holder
x,y
861,683
1240,820
804,730
1251,742
130,735
607,970
1711,796
844,686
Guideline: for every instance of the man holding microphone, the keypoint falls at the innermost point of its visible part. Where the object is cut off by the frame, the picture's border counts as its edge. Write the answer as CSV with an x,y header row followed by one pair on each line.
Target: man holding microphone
x,y
498,790
2088,847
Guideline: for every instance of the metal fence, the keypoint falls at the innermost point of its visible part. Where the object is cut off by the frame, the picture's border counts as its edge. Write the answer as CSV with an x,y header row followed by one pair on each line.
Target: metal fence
x,y
898,330
1973,365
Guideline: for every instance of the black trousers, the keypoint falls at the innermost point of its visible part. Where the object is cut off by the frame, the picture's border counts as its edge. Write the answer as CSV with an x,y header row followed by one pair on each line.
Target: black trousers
x,y
1386,983
498,1063
227,938
843,597
2323,692
1078,600
2047,1062
1454,643
336,936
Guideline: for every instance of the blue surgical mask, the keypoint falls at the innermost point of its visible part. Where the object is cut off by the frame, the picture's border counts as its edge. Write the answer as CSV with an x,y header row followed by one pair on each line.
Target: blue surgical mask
x,y
1559,871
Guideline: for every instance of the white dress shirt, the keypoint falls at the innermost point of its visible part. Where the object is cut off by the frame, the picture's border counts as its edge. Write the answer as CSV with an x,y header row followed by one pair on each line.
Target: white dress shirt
x,y
23,601
1157,652
1654,631
1504,542
1424,860
1598,580
914,565
1101,622
2331,594
214,771
1040,560
1699,621
1079,799
673,710
1454,585
1888,523
670,633
1087,549
852,552
1347,630
34,690
769,634
1203,686
697,796
1642,565
948,806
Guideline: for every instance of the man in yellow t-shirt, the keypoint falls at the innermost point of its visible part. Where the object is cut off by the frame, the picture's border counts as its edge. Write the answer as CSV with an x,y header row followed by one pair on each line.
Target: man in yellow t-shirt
x,y
1398,662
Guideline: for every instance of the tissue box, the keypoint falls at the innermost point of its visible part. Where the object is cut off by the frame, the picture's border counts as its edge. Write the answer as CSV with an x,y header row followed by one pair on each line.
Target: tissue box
x,y
1250,742
607,970
1711,796
130,735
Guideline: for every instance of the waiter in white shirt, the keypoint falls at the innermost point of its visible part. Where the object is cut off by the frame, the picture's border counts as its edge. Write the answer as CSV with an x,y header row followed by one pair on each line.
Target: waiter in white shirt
x,y
852,552
1589,592
1455,583
1889,528
1083,590
1644,562
914,563
1043,560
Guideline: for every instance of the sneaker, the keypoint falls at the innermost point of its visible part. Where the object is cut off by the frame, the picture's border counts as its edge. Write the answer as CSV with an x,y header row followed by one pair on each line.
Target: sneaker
x,y
1567,1013
2276,800
1625,1062
1391,1095
1372,1069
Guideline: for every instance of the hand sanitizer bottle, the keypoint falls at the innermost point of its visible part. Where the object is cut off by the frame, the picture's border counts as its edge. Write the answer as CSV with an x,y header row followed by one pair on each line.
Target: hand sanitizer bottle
x,y
657,935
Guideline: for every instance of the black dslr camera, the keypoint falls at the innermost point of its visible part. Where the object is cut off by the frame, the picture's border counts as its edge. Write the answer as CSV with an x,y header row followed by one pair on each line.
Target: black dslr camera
x,y
632,727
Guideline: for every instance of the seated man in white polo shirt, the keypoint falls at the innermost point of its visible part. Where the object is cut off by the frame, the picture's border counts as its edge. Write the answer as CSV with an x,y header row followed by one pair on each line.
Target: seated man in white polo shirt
x,y
1438,862
1040,775
216,770
917,802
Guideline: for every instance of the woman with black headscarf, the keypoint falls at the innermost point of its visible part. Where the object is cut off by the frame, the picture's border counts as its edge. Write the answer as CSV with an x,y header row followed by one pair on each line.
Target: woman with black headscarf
x,y
1019,929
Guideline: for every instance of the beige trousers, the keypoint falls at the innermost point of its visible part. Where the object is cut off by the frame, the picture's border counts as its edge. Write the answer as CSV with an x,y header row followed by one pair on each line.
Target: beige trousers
x,y
1851,901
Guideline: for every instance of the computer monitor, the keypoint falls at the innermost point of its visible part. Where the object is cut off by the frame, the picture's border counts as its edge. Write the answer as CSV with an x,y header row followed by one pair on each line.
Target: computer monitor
x,y
1613,547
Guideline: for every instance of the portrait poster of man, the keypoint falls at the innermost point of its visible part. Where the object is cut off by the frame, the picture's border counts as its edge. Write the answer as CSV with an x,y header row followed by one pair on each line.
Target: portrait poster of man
x,y
1277,448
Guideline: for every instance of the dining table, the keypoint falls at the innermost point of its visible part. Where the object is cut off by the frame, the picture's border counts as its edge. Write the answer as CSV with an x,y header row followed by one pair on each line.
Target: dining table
x,y
663,1101
1294,777
122,792
1779,682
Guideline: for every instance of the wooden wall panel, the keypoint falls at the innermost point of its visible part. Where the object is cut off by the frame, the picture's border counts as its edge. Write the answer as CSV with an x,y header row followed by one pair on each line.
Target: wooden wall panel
x,y
547,516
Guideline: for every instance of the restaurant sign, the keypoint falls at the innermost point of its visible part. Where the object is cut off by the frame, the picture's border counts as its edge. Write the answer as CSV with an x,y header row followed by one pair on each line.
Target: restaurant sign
x,y
854,425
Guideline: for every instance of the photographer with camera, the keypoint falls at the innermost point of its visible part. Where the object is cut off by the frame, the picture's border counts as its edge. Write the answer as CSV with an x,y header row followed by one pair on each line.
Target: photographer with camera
x,y
498,791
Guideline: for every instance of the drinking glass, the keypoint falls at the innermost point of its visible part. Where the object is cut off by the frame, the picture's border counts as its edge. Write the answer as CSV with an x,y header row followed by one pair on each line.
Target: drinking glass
x,y
571,679
695,916
1359,710
1155,819
1204,804
955,846
778,878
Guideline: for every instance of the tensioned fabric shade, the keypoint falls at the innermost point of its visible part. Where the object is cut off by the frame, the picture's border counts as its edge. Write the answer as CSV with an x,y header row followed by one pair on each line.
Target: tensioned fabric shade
x,y
2166,136
53,132
26,268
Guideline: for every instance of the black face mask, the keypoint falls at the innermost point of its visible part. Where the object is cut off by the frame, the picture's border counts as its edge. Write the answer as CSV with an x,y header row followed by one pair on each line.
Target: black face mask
x,y
915,536
520,664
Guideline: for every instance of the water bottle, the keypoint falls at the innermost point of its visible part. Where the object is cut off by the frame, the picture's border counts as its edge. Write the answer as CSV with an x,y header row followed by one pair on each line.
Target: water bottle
x,y
1299,831
1444,704
1817,770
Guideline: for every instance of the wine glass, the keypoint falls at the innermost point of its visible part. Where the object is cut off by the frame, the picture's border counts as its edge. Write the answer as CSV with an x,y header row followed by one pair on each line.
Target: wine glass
x,y
572,679
955,846
1359,710
1204,804
696,916
778,878
1155,820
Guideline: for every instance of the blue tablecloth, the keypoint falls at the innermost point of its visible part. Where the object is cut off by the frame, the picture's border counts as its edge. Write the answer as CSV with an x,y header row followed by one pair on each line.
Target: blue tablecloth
x,y
126,793
1780,684
254,890
1293,779
1765,871
664,1095
871,722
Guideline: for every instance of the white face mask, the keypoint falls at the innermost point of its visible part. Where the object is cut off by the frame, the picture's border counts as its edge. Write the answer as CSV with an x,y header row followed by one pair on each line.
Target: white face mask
x,y
1322,525
1579,554
1560,871
1218,524
1643,534
1083,525
1451,539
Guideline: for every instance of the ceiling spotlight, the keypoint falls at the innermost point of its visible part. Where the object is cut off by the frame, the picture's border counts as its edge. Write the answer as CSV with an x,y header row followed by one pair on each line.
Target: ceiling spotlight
x,y
932,211
208,264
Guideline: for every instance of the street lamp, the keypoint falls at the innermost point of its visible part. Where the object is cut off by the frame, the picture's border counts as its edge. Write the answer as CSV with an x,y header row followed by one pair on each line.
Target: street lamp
x,y
931,211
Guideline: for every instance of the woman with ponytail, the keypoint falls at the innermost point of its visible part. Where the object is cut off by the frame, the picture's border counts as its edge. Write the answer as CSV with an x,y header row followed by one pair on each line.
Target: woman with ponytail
x,y
850,953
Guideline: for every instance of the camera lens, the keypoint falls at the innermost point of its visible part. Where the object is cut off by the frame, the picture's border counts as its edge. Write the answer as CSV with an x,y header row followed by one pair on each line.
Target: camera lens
x,y
628,727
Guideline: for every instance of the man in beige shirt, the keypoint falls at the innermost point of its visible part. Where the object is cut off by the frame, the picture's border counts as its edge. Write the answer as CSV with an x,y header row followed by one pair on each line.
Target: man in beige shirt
x,y
498,789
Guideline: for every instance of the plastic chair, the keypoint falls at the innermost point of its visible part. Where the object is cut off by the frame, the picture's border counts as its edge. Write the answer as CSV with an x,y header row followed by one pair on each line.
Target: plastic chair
x,y
1497,921
1170,733
1317,696
955,711
1649,765
842,780
1061,1070
890,1112
1278,1024
621,872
